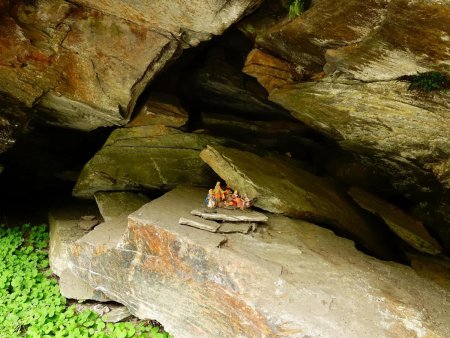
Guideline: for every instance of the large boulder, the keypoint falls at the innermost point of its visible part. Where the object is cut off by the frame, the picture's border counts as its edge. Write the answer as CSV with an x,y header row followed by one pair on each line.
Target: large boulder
x,y
398,131
150,157
279,186
290,279
83,64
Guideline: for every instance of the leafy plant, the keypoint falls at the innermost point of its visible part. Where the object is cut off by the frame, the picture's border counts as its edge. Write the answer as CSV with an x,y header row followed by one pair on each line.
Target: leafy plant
x,y
296,7
427,81
31,304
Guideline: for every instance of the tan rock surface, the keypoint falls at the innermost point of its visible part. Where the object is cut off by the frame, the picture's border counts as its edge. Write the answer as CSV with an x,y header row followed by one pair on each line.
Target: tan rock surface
x,y
401,132
118,203
291,279
433,268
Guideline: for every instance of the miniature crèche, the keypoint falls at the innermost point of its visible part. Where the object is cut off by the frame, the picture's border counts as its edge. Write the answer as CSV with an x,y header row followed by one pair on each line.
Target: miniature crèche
x,y
218,198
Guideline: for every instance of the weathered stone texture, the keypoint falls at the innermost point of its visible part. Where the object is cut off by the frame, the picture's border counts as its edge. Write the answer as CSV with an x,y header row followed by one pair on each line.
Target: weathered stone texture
x,y
270,71
83,64
84,68
146,157
327,24
291,279
412,37
117,204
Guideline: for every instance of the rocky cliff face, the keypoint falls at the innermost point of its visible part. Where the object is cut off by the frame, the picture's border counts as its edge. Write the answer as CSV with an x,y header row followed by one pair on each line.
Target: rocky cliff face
x,y
356,58
83,64
315,118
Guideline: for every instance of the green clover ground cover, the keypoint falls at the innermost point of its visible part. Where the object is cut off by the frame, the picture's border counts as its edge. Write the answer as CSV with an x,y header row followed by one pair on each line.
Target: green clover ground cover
x,y
30,302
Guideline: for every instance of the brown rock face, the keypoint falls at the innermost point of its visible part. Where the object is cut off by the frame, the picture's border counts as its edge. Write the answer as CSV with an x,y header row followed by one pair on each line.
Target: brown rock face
x,y
401,132
270,72
83,64
291,279
82,67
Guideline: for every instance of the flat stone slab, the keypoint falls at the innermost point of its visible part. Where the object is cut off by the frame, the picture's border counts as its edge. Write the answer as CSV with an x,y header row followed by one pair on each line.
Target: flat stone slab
x,y
289,279
230,215
213,226
199,223
88,224
408,228
234,227
65,229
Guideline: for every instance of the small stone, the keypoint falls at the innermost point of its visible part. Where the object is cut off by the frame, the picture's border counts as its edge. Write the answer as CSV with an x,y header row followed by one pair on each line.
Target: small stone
x,y
202,224
231,215
117,315
100,309
88,224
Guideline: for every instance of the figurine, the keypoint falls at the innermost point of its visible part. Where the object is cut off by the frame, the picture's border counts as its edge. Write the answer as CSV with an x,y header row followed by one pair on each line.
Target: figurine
x,y
218,197
246,201
210,201
219,194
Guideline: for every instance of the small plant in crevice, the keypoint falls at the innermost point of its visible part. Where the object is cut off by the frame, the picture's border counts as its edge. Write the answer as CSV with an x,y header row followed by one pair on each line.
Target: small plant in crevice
x,y
296,7
31,304
427,82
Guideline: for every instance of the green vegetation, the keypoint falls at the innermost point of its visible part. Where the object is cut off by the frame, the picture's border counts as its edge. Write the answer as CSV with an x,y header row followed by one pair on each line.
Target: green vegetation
x,y
427,81
30,302
296,7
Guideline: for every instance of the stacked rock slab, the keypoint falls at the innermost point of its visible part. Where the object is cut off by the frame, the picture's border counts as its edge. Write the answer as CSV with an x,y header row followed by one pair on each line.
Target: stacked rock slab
x,y
281,187
224,220
289,279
